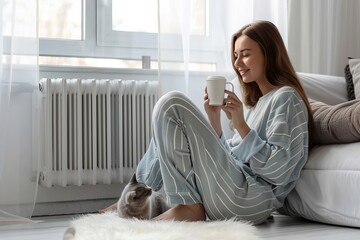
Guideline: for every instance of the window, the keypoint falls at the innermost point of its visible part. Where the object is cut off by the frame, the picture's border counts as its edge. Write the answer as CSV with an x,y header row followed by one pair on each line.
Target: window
x,y
125,16
117,33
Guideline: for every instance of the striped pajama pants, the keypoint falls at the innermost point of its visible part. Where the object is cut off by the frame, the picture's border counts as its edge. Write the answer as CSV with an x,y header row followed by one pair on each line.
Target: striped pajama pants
x,y
188,158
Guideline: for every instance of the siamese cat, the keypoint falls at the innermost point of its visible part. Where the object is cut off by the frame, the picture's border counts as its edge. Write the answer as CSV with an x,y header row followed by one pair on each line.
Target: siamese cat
x,y
139,201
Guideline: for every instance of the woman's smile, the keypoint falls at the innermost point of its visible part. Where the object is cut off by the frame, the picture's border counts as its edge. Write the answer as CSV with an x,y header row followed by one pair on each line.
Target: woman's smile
x,y
243,71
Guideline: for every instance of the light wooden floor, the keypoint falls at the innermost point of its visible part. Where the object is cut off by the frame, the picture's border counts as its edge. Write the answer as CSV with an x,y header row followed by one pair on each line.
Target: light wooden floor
x,y
280,228
292,228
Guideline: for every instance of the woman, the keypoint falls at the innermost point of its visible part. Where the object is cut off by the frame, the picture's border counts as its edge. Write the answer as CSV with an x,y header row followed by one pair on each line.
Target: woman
x,y
250,175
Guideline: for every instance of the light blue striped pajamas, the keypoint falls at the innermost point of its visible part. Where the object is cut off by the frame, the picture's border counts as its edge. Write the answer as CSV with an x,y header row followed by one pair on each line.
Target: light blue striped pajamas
x,y
243,178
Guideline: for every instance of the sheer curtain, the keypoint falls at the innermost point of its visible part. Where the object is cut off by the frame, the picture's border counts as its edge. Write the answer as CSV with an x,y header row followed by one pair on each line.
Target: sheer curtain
x,y
323,34
18,82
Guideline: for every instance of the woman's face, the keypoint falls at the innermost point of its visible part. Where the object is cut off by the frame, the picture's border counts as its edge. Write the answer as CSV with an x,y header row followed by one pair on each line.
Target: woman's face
x,y
249,60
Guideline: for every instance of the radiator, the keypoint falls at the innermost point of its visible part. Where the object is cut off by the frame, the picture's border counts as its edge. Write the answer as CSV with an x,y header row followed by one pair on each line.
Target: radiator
x,y
94,130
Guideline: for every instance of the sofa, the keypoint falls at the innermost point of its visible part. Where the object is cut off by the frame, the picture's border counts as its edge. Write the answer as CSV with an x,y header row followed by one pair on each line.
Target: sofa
x,y
328,188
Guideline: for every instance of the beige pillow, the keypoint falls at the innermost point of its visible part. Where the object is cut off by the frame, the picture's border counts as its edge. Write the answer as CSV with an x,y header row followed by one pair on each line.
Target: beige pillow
x,y
354,65
336,123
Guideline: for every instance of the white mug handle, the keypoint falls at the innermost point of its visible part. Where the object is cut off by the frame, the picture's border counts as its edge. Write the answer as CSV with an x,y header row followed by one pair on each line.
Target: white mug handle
x,y
232,86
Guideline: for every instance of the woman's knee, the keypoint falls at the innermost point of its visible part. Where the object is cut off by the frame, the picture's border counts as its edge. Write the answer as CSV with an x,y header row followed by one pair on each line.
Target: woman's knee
x,y
171,99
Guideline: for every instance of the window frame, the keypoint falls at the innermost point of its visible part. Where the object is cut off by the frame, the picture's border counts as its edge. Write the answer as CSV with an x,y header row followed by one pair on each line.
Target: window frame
x,y
105,43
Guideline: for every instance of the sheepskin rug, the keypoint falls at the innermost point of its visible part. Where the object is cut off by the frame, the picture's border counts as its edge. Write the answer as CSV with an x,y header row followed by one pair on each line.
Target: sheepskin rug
x,y
109,226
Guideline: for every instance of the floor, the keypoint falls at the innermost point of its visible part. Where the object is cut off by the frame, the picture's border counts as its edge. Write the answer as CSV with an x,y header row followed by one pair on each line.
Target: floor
x,y
285,228
281,227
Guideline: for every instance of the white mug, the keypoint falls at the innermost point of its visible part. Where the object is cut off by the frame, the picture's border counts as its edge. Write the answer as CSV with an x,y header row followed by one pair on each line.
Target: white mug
x,y
216,89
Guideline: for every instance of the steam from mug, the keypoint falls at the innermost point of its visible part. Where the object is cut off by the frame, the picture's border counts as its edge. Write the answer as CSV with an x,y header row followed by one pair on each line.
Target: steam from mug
x,y
215,89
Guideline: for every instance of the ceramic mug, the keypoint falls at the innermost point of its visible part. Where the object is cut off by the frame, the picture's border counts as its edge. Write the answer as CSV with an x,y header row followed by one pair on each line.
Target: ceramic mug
x,y
216,89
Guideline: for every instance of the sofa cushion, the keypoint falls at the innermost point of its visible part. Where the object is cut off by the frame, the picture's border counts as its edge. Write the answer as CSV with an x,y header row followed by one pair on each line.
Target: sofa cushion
x,y
349,83
328,186
338,123
354,65
324,88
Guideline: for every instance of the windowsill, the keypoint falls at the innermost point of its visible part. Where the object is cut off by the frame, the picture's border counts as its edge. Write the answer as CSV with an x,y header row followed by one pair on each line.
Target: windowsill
x,y
100,70
48,68
48,71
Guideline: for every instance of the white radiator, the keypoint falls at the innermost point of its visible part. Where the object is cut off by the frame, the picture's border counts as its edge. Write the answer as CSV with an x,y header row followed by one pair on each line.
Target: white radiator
x,y
95,130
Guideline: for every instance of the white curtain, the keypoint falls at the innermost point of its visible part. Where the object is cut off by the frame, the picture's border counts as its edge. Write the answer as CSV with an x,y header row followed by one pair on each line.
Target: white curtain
x,y
323,34
18,117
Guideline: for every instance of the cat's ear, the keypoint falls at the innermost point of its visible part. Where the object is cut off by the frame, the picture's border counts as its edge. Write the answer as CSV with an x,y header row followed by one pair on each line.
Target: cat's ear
x,y
133,179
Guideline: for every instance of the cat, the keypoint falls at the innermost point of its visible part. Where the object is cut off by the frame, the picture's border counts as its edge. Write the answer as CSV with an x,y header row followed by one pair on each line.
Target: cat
x,y
136,201
139,201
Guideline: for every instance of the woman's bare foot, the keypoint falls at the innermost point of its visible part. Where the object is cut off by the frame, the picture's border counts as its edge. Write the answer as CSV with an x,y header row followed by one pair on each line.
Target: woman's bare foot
x,y
112,207
192,213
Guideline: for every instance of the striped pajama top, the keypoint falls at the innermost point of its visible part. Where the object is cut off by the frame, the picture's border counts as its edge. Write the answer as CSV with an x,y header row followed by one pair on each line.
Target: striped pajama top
x,y
276,148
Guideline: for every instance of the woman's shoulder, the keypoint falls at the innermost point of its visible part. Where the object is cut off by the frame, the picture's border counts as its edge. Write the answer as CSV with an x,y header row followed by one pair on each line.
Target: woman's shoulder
x,y
286,93
284,97
285,90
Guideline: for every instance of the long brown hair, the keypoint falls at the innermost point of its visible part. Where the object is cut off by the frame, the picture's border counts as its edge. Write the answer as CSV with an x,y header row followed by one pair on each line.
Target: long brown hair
x,y
278,68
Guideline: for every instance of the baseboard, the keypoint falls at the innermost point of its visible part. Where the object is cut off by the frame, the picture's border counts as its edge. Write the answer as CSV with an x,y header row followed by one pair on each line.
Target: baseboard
x,y
71,207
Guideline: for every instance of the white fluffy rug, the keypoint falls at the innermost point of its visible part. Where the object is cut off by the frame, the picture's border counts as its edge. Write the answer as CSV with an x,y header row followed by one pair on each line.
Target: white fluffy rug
x,y
110,227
